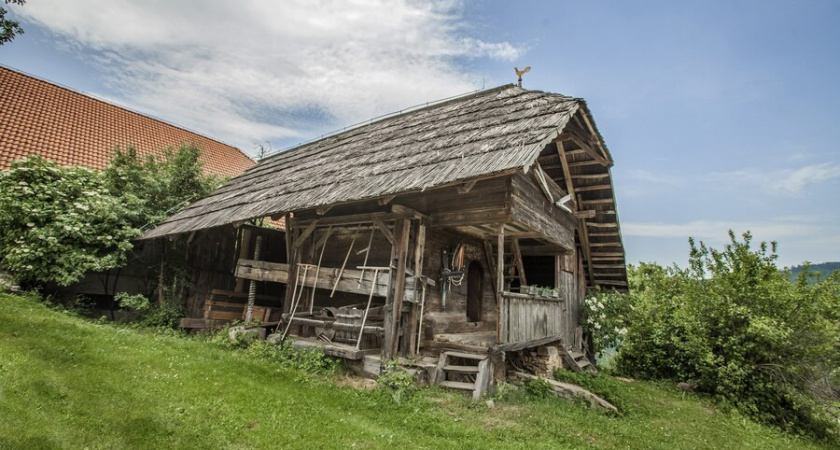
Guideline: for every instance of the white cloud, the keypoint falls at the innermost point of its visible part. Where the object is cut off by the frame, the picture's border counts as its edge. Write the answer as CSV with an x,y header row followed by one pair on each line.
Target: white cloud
x,y
788,182
718,230
255,71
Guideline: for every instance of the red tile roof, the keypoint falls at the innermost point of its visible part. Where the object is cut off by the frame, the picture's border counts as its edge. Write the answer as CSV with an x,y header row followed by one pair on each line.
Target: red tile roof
x,y
70,128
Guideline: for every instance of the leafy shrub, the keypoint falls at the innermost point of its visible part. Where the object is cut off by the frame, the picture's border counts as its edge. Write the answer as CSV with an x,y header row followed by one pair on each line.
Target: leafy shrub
x,y
735,325
397,381
605,318
57,223
305,362
165,315
538,388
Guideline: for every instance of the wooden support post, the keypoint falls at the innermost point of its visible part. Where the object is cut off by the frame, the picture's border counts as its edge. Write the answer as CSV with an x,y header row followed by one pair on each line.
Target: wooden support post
x,y
500,278
491,268
419,249
252,289
291,259
244,251
396,288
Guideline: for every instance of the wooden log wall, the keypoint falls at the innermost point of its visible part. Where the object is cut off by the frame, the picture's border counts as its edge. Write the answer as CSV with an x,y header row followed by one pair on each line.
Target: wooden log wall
x,y
212,257
530,206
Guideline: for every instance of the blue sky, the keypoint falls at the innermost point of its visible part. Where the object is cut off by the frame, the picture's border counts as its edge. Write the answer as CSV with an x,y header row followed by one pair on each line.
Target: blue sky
x,y
719,114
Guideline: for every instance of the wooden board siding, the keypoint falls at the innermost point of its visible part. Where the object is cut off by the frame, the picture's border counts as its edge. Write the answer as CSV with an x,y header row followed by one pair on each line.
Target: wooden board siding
x,y
530,206
530,319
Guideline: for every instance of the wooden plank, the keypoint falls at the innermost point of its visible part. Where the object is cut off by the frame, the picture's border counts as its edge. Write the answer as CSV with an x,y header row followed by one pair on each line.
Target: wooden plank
x,y
384,229
520,269
419,253
491,268
465,187
515,346
244,253
291,259
567,174
398,260
308,231
473,216
501,327
597,201
332,325
587,214
595,187
591,128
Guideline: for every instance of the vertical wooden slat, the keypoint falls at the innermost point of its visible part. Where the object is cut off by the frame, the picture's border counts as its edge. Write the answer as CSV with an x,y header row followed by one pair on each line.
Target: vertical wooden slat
x,y
291,258
419,250
399,251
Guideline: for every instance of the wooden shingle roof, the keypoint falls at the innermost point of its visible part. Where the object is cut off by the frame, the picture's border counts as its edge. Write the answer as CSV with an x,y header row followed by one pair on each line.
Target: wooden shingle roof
x,y
477,135
480,134
70,128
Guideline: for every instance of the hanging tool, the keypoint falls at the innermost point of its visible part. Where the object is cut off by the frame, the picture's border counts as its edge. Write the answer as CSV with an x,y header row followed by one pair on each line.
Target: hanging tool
x,y
296,303
370,298
367,254
318,270
344,264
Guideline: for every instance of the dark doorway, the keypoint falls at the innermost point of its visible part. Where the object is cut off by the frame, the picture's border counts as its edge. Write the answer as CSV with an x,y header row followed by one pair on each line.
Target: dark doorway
x,y
475,291
540,270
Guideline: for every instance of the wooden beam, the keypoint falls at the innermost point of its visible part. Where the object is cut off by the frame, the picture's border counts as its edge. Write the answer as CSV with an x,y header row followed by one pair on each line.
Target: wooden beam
x,y
597,187
584,242
591,176
491,268
396,293
500,277
385,231
588,162
382,201
612,282
419,253
581,142
514,346
321,210
595,138
605,244
608,266
604,254
520,269
597,201
602,225
291,259
540,176
607,234
465,187
587,214
567,173
306,233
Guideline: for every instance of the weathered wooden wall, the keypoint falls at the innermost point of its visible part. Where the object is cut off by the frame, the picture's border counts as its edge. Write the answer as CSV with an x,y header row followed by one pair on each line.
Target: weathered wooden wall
x,y
212,256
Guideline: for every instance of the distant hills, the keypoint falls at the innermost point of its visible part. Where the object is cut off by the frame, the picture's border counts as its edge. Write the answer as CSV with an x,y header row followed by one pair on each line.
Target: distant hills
x,y
824,268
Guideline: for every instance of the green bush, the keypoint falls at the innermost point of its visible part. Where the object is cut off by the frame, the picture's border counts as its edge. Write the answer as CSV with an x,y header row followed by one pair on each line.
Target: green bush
x,y
605,318
397,381
735,325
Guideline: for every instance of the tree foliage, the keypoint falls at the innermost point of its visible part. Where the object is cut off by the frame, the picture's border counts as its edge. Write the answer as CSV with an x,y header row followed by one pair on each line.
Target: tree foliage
x,y
58,223
735,325
9,28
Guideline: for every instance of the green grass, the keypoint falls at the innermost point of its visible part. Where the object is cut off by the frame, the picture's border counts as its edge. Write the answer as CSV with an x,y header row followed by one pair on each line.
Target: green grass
x,y
69,383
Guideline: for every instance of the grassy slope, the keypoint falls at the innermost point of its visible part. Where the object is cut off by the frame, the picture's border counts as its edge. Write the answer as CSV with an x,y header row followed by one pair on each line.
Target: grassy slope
x,y
68,383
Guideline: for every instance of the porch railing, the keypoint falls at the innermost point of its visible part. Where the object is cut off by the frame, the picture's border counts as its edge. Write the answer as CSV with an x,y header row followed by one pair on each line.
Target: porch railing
x,y
528,318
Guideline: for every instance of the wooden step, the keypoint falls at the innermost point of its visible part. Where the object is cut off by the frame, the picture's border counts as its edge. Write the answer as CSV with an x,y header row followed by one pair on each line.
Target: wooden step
x,y
466,355
458,385
461,369
576,355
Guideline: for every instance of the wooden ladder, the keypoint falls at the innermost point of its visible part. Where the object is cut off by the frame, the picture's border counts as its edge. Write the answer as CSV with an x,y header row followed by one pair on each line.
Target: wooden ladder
x,y
463,371
513,269
578,361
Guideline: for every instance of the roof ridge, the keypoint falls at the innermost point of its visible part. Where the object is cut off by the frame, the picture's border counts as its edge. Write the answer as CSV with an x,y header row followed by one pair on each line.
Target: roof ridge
x,y
128,109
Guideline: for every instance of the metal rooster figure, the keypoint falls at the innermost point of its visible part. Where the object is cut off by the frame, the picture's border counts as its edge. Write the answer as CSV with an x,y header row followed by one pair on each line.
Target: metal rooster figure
x,y
519,73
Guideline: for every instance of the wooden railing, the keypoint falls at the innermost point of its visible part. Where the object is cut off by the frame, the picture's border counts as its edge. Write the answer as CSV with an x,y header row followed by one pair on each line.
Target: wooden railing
x,y
525,319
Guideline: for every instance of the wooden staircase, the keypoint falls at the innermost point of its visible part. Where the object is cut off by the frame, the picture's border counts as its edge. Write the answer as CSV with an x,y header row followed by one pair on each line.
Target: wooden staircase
x,y
578,361
464,371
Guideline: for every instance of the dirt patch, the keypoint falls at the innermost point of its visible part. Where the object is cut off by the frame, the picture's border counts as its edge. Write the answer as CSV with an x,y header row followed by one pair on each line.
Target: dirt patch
x,y
356,383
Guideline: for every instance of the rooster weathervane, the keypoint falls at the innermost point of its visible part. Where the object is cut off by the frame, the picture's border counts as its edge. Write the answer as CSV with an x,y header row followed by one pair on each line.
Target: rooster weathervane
x,y
519,73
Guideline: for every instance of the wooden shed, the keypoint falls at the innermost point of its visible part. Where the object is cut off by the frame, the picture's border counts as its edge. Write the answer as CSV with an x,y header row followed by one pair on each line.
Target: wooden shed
x,y
465,230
